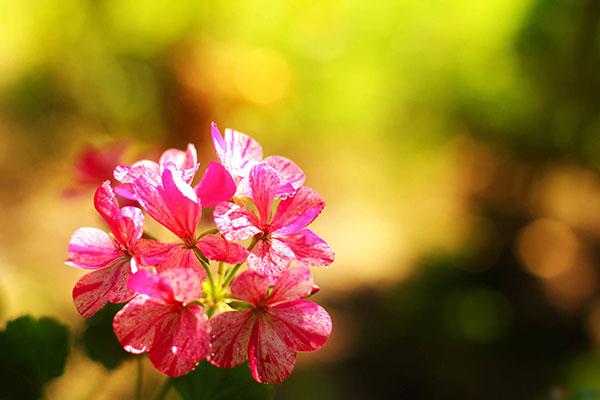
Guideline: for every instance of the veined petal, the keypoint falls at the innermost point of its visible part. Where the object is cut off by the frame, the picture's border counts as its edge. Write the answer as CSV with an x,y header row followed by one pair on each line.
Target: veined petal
x,y
270,256
152,252
216,186
138,324
152,285
301,324
229,335
181,342
270,360
186,162
217,248
173,203
296,212
186,283
250,286
238,152
129,174
235,222
293,284
309,247
99,287
92,248
135,231
181,256
264,182
292,177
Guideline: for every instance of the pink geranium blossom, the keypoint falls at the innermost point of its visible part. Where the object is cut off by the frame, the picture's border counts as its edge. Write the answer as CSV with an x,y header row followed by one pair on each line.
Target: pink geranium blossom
x,y
173,202
277,325
184,162
111,259
164,321
282,238
239,153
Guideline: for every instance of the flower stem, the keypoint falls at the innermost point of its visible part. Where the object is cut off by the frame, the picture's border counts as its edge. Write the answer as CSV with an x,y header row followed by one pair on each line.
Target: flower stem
x,y
162,394
229,276
200,257
208,232
138,386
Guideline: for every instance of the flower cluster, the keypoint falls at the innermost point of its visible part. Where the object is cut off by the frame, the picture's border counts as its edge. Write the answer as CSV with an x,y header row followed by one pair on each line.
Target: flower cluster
x,y
189,300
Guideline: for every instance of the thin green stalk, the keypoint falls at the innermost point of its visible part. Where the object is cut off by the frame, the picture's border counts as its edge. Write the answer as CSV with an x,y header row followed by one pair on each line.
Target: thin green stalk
x,y
162,394
139,383
229,276
200,256
208,232
220,274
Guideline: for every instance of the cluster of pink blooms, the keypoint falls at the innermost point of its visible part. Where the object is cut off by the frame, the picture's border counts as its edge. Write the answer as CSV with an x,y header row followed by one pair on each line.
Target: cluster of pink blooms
x,y
187,300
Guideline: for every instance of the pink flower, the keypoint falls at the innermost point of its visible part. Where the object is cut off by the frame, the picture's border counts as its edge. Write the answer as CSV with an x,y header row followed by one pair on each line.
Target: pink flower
x,y
172,202
282,238
184,162
277,325
164,321
111,259
239,153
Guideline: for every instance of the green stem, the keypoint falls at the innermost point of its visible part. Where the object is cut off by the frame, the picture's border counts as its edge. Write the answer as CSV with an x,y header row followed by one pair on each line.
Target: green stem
x,y
229,277
220,274
164,390
208,232
200,257
138,386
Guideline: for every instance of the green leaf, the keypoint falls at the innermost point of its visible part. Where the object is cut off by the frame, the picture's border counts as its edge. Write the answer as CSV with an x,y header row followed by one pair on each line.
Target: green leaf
x,y
208,382
32,352
99,340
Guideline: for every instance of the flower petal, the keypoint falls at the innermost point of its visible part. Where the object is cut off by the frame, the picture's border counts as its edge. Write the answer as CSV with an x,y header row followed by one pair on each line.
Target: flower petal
x,y
216,186
229,336
181,343
270,360
238,152
137,325
129,174
185,162
186,283
99,287
301,324
153,252
270,256
92,248
173,203
296,212
293,284
264,182
217,248
309,247
152,285
250,286
181,256
235,222
292,177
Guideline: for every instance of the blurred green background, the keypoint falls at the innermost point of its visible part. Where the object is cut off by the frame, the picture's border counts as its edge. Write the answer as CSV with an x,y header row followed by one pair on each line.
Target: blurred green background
x,y
457,144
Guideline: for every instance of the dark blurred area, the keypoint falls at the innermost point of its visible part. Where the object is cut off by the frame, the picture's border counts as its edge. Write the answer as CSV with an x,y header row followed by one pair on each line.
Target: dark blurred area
x,y
457,144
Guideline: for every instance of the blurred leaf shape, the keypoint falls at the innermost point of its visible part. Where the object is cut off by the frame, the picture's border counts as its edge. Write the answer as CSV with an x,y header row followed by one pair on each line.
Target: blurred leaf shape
x,y
32,352
99,340
208,382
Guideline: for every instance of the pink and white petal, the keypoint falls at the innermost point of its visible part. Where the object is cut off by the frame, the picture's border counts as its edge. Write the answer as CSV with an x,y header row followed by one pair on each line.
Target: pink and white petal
x,y
186,283
137,217
301,324
99,287
186,162
182,257
218,143
309,247
270,360
235,222
250,286
296,212
293,284
152,285
243,188
129,174
173,204
229,334
107,206
138,324
270,257
181,343
217,248
152,252
92,248
125,190
216,186
242,152
264,182
289,172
